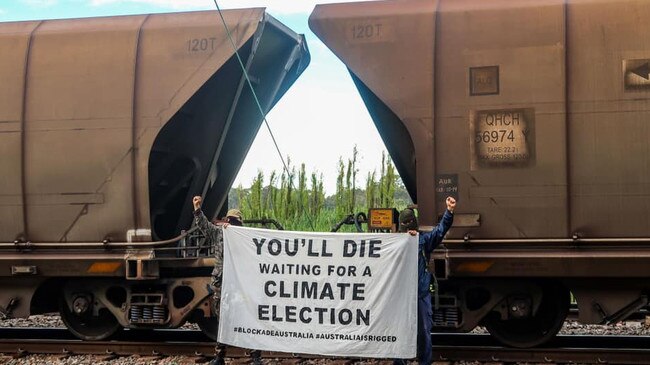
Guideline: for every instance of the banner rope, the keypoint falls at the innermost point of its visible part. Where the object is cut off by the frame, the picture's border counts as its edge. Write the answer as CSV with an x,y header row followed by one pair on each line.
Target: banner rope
x,y
259,106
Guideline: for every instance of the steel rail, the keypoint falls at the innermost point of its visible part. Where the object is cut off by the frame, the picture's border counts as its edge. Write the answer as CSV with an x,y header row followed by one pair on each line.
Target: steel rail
x,y
584,349
58,341
448,347
542,355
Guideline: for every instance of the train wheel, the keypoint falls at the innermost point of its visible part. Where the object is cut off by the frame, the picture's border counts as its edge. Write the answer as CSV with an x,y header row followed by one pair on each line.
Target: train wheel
x,y
81,321
209,326
533,330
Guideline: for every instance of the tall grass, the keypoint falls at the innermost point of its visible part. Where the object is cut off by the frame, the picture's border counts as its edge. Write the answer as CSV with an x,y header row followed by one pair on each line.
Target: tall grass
x,y
297,199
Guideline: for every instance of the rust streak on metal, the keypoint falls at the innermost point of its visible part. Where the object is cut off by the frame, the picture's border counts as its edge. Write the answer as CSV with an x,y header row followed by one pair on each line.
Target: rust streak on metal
x,y
137,222
23,115
567,113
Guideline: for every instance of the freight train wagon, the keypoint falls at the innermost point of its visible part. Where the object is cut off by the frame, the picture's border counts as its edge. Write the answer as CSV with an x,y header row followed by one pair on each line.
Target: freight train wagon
x,y
108,127
535,115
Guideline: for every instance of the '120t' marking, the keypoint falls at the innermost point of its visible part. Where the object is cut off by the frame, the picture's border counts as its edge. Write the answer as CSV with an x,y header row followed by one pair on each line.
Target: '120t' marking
x,y
201,44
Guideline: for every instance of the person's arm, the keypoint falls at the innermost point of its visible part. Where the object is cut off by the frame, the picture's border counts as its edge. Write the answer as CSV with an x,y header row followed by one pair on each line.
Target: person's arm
x,y
200,219
433,238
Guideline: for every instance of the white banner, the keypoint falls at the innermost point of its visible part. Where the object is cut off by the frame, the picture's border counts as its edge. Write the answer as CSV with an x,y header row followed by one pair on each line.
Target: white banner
x,y
331,294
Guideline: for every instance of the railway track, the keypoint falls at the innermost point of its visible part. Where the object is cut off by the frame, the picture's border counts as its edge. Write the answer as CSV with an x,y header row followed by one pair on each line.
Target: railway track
x,y
449,348
580,349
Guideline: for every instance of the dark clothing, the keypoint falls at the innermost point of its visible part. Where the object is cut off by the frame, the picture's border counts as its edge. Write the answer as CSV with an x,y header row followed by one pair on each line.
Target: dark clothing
x,y
425,324
428,242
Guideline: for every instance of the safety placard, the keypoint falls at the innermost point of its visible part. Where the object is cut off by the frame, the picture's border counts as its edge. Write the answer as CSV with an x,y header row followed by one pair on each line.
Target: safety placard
x,y
380,218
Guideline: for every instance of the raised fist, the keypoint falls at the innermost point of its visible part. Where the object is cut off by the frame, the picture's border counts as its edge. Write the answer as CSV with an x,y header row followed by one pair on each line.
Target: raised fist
x,y
451,204
196,201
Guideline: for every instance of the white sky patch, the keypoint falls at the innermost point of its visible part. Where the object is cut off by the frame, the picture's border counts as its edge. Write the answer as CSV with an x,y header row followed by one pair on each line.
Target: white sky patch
x,y
2,11
317,45
316,125
40,3
172,4
273,6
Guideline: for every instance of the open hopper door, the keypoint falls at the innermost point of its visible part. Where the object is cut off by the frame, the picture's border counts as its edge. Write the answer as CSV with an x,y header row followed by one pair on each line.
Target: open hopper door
x,y
200,150
381,44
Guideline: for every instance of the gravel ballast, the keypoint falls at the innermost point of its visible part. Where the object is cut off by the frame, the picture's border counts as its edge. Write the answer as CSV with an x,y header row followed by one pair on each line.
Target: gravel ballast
x,y
632,328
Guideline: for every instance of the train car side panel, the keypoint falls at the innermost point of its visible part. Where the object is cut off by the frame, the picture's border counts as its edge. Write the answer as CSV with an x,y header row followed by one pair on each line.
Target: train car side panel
x,y
609,130
14,46
500,131
79,101
97,93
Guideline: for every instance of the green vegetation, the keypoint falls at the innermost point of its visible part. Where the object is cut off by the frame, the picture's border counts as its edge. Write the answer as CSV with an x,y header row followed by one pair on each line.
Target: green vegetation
x,y
297,200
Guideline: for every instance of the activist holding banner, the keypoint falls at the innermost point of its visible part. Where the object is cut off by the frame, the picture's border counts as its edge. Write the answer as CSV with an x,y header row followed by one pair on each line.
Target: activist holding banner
x,y
333,294
427,242
214,234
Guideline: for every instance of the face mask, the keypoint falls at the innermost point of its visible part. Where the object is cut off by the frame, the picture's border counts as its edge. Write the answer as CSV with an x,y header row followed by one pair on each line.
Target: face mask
x,y
234,221
408,225
407,220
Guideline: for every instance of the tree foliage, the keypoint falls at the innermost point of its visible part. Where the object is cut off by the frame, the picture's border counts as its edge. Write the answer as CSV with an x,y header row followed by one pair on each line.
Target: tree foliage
x,y
297,198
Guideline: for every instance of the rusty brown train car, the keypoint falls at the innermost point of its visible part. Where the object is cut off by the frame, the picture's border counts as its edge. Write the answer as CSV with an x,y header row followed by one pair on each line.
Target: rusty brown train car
x,y
534,114
108,127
